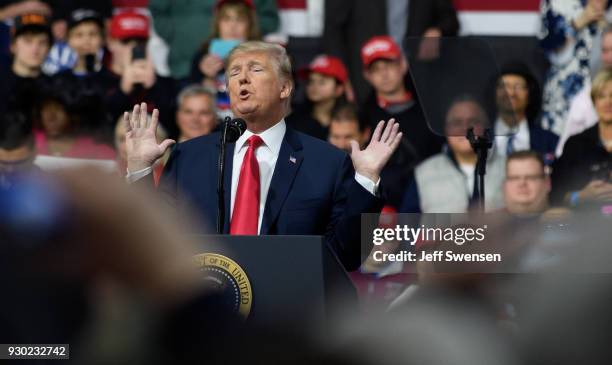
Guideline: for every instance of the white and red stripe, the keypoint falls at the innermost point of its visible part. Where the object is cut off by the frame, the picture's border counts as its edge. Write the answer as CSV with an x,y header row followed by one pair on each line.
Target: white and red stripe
x,y
481,17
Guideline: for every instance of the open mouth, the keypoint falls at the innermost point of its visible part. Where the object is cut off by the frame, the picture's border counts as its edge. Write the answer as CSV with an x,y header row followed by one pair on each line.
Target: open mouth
x,y
244,94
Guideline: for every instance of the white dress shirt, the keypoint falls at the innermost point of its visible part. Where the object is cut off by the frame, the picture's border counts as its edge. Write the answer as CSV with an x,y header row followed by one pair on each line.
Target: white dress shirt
x,y
267,155
503,133
581,115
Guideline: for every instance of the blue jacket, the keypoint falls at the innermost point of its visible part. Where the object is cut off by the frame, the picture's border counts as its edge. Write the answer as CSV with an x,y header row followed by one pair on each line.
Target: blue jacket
x,y
313,191
543,141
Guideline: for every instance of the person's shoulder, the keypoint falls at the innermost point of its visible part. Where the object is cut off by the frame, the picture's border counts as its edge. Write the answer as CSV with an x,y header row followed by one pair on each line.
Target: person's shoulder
x,y
538,130
205,141
432,167
316,146
435,160
590,134
576,143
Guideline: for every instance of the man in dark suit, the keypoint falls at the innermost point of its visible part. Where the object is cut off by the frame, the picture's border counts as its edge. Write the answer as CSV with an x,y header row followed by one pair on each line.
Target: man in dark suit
x,y
350,23
281,181
518,102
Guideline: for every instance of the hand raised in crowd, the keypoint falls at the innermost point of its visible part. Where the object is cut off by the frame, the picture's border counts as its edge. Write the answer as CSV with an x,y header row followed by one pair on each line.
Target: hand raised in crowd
x,y
138,72
370,161
594,11
211,65
430,45
141,144
25,7
596,190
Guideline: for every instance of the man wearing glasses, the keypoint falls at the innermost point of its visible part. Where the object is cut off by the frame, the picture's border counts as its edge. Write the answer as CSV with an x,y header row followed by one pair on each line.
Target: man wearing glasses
x,y
527,186
518,103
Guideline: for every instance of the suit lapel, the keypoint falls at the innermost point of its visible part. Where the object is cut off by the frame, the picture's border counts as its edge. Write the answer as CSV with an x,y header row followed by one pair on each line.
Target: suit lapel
x,y
288,163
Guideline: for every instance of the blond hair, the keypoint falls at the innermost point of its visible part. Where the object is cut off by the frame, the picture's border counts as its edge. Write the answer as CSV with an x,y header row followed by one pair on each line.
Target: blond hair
x,y
278,55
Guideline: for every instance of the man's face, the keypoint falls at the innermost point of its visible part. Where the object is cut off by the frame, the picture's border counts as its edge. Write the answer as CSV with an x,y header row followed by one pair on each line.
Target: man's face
x,y
386,76
512,94
121,49
606,51
85,38
526,187
343,131
254,86
460,118
196,116
30,49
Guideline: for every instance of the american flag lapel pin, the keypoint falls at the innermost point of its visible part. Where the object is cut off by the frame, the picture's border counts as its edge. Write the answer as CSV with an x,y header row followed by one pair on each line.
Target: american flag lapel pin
x,y
292,159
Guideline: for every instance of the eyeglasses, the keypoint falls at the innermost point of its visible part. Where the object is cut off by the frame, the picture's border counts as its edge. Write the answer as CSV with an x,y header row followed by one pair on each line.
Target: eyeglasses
x,y
513,87
528,178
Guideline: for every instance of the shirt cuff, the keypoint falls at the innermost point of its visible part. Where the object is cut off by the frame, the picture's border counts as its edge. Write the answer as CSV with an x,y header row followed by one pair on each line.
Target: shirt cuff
x,y
368,184
132,177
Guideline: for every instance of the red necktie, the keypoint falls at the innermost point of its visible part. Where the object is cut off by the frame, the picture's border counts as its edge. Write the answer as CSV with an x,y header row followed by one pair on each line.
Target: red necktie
x,y
246,206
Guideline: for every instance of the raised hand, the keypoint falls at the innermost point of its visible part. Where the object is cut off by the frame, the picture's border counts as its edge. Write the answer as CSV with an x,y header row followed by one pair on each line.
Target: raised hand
x,y
370,161
141,144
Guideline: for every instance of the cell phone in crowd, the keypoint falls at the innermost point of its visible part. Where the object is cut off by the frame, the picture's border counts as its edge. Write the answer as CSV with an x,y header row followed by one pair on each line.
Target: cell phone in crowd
x,y
139,52
90,63
222,47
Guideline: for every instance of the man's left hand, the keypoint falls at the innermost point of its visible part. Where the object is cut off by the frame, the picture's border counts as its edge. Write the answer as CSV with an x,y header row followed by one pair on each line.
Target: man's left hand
x,y
370,161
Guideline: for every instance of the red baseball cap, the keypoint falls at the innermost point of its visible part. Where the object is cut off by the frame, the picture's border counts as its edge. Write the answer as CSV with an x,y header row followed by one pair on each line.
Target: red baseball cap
x,y
328,66
129,25
380,47
248,3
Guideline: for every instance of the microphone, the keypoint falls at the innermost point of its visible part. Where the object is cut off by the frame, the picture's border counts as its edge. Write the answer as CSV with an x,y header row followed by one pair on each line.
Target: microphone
x,y
235,129
231,130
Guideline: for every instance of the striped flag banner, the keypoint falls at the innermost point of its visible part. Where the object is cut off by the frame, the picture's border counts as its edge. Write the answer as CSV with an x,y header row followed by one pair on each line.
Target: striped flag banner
x,y
481,17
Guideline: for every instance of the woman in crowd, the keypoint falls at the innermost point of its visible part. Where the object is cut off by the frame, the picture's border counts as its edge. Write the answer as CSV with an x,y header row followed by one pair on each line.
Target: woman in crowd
x,y
234,22
583,173
58,131
569,28
326,87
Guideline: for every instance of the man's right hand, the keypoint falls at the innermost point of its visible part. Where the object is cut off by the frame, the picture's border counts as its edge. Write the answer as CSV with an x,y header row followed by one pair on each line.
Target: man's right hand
x,y
141,143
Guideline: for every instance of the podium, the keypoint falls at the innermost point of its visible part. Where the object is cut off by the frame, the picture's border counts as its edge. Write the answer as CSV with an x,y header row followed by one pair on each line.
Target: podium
x,y
291,280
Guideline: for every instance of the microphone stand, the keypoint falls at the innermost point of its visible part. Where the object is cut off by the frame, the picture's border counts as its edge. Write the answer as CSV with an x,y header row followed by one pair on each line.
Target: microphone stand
x,y
220,185
231,130
480,145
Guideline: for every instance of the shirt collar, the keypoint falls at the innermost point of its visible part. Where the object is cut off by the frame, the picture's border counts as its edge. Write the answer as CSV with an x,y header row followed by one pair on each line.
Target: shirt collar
x,y
272,137
501,128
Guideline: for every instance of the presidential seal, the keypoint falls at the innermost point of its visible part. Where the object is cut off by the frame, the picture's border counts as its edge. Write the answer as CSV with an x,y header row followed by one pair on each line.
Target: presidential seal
x,y
223,274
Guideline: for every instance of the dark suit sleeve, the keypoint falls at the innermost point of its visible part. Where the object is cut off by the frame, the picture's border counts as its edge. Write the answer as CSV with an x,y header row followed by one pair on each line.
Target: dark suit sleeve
x,y
411,200
167,188
350,200
446,17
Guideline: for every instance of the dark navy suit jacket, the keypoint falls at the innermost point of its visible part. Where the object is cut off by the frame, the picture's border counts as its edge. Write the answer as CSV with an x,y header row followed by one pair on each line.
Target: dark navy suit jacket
x,y
313,191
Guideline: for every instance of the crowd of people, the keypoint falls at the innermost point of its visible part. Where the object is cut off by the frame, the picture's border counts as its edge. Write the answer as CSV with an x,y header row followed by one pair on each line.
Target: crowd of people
x,y
102,66
70,70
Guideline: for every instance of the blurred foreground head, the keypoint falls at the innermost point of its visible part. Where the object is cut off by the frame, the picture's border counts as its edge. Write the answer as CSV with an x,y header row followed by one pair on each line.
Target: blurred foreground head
x,y
67,238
